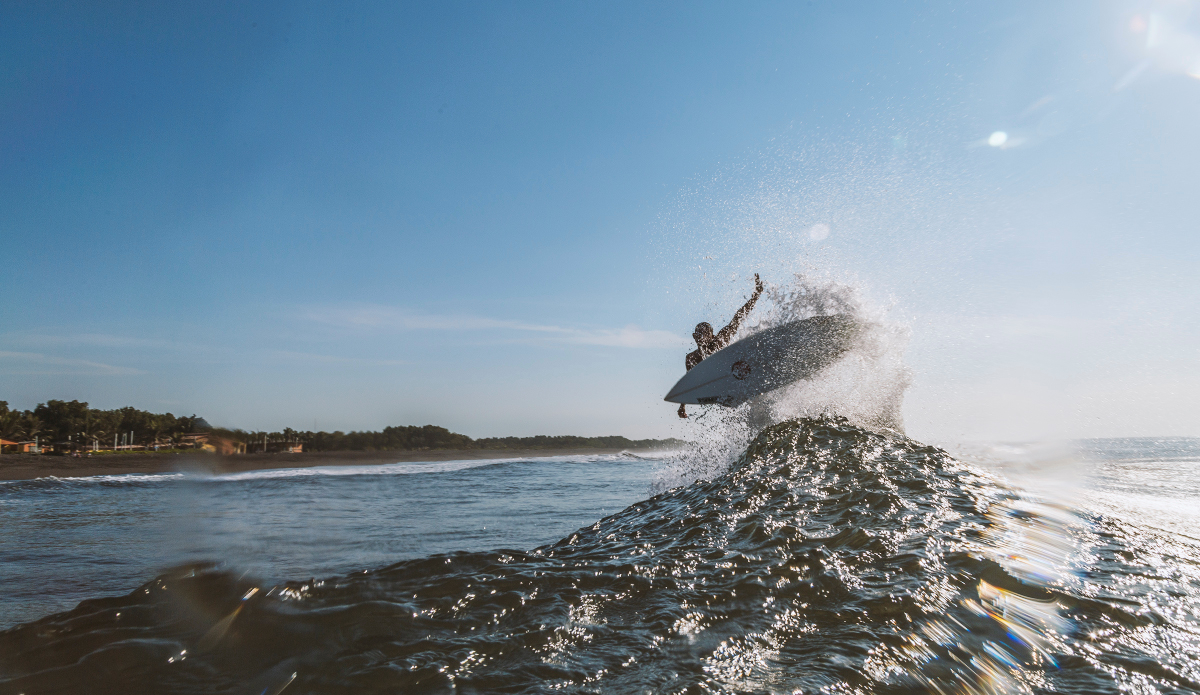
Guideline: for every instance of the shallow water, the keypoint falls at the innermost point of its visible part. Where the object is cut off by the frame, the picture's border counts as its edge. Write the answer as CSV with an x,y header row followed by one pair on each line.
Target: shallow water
x,y
826,559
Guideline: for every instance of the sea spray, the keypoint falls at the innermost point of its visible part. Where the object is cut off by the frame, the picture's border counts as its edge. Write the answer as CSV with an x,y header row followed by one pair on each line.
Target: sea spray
x,y
866,385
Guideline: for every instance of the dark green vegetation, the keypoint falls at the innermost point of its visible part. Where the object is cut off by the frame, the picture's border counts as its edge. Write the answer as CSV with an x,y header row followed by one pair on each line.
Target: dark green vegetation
x,y
434,437
73,424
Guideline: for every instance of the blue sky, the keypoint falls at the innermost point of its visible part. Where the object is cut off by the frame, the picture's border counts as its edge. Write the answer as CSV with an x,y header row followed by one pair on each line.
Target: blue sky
x,y
505,219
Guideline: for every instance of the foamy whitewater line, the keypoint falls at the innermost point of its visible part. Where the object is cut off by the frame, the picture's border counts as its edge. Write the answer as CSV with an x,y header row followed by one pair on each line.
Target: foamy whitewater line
x,y
112,478
1178,516
1149,459
407,468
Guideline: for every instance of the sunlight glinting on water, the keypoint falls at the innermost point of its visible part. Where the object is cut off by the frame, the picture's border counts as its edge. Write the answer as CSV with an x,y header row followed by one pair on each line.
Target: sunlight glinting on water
x,y
826,558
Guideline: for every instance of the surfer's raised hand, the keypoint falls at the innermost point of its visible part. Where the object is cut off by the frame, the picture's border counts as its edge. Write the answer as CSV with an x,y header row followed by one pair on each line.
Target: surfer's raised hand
x,y
758,286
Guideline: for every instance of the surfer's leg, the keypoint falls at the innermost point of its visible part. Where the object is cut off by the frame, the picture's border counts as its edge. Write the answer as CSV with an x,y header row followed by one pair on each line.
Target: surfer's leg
x,y
682,410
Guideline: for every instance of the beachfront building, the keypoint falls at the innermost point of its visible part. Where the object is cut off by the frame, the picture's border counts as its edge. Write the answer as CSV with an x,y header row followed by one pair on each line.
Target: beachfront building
x,y
269,447
213,443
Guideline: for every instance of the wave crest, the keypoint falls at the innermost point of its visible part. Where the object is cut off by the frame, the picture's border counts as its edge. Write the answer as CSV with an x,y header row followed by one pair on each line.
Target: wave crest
x,y
828,558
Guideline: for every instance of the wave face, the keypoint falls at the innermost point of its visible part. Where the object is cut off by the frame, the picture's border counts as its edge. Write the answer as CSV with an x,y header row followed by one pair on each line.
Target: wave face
x,y
828,558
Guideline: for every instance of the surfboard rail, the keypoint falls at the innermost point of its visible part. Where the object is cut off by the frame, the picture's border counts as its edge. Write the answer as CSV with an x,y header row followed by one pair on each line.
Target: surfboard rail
x,y
764,361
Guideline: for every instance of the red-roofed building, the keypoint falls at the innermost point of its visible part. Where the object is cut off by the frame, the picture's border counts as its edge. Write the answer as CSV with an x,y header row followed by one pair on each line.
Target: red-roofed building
x,y
8,447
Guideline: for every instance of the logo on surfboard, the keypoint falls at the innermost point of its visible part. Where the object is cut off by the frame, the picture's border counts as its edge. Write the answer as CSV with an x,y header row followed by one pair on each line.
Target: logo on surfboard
x,y
741,370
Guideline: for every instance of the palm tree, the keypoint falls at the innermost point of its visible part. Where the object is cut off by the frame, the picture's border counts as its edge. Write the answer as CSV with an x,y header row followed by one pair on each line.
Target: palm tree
x,y
157,427
10,427
33,426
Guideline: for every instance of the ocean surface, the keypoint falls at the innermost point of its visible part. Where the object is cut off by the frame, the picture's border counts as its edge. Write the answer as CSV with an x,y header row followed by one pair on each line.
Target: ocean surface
x,y
825,559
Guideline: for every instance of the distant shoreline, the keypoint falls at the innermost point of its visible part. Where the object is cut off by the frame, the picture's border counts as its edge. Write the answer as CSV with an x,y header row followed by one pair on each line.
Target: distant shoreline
x,y
29,466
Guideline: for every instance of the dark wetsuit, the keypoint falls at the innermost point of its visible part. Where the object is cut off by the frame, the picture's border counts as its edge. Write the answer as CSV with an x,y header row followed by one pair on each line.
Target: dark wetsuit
x,y
722,338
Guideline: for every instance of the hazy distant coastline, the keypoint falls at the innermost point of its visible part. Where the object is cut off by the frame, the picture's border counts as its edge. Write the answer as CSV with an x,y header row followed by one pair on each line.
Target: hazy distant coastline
x,y
124,437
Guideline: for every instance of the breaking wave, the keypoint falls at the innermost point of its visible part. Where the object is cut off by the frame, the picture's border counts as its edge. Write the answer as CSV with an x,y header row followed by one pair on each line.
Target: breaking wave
x,y
827,558
865,385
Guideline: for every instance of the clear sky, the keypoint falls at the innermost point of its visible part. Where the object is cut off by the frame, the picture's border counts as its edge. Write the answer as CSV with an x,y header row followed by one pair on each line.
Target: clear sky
x,y
505,218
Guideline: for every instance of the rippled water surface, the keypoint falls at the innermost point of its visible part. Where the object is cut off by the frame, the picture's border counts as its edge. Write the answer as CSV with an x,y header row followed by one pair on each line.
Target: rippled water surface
x,y
826,559
73,539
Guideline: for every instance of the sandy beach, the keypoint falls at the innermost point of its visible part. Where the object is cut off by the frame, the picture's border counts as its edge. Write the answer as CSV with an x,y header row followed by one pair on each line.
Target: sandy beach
x,y
29,466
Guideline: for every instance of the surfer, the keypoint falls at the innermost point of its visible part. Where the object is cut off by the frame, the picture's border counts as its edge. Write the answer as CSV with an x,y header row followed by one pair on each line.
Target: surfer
x,y
707,343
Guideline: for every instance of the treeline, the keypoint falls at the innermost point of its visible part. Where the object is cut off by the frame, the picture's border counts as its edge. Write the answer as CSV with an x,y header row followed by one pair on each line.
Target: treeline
x,y
74,424
434,437
542,441
390,439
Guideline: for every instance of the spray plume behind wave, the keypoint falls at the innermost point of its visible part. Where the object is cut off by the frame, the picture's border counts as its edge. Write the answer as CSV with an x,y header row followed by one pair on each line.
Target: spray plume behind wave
x,y
865,385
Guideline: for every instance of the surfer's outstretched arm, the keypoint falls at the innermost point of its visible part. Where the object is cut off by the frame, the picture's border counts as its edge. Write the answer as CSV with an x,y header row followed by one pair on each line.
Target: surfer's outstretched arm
x,y
727,332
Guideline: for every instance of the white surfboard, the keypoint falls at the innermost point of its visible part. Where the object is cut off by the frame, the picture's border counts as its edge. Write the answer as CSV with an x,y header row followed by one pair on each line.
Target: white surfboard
x,y
765,361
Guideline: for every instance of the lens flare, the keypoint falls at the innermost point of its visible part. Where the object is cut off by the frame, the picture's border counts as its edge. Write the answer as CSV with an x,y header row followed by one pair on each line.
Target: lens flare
x,y
998,138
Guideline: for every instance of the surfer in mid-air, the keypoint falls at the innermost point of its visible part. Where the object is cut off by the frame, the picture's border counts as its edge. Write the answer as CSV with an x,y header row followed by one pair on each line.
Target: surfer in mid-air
x,y
707,343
